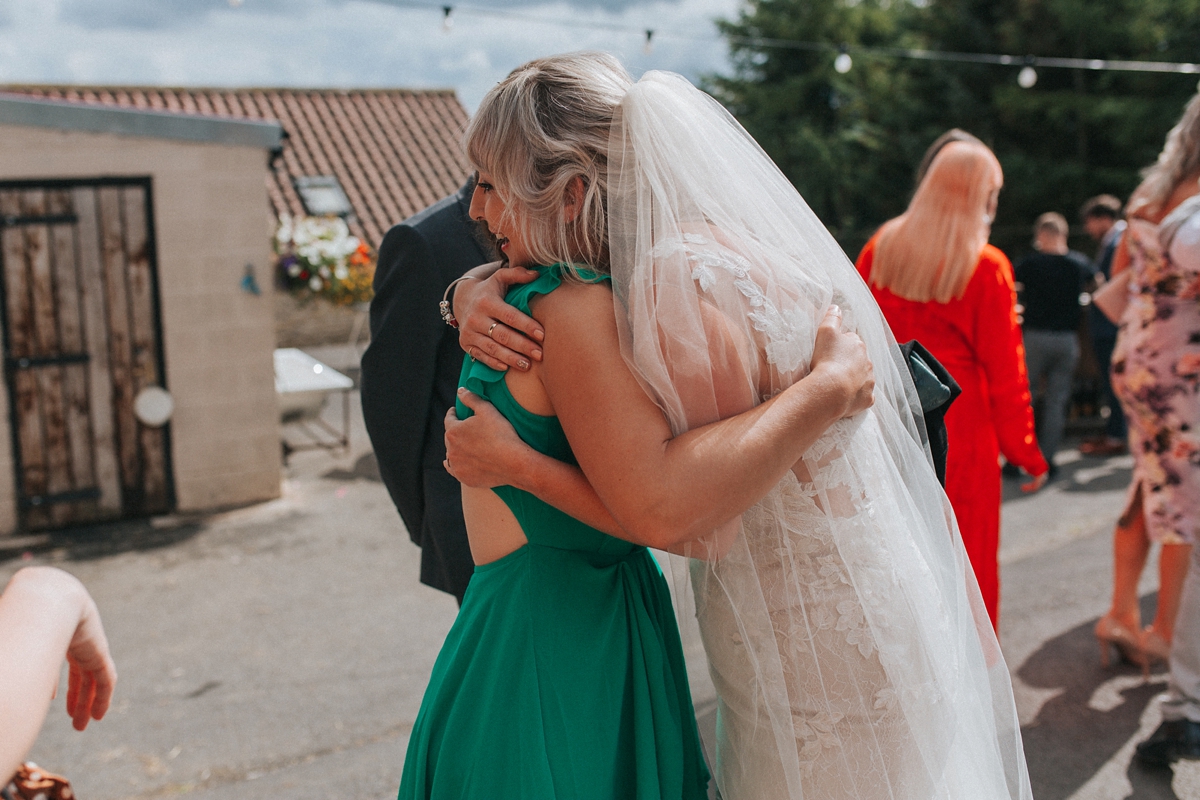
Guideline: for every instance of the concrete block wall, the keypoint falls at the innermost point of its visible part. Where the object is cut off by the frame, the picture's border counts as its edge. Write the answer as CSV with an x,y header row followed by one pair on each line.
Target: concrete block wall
x,y
211,220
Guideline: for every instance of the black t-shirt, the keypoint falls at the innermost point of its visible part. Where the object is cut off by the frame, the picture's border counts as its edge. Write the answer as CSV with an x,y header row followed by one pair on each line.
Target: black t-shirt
x,y
1051,286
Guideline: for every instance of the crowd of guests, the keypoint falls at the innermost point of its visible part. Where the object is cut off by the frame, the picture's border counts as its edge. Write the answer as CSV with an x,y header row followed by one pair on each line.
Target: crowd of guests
x,y
1009,330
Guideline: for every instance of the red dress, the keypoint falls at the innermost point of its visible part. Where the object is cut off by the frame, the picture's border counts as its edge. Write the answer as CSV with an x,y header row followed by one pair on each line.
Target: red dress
x,y
978,339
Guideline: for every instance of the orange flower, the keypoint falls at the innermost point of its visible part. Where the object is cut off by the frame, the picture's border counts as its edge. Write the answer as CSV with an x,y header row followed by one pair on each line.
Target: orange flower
x,y
1188,365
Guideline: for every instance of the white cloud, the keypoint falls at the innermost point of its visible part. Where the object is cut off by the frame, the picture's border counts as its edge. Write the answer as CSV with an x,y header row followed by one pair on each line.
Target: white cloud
x,y
341,43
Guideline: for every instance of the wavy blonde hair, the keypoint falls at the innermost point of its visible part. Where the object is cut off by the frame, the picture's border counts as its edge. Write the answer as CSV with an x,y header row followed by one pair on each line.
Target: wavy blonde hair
x,y
931,250
538,130
1180,157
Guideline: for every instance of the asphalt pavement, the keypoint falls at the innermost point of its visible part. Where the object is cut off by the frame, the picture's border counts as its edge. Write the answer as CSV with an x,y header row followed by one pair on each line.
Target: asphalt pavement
x,y
281,650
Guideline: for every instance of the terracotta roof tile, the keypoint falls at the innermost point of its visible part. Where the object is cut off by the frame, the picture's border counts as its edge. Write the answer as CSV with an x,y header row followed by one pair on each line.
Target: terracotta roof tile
x,y
394,151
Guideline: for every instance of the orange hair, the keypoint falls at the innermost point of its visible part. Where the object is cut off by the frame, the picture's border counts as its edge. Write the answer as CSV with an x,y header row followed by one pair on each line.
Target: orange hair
x,y
931,250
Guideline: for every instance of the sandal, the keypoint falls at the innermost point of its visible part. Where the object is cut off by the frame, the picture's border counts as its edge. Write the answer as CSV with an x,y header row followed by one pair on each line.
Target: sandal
x,y
1126,641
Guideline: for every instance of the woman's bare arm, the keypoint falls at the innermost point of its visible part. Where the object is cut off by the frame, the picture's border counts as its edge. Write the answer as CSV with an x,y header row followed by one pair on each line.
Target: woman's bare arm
x,y
483,451
46,615
661,490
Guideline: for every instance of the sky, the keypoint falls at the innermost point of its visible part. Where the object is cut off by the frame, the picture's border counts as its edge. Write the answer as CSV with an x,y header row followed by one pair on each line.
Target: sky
x,y
343,43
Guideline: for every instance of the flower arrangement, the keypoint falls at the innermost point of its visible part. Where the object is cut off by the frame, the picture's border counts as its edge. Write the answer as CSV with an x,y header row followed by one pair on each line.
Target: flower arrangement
x,y
317,257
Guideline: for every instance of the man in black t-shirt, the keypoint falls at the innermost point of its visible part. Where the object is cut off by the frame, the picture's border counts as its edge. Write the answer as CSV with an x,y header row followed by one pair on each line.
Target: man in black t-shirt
x,y
1050,282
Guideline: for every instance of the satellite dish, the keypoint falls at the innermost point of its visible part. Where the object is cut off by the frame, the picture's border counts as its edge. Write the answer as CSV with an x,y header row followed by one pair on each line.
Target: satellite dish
x,y
153,406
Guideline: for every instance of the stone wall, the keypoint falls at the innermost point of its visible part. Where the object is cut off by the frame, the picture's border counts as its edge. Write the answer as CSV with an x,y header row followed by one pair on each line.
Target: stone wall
x,y
316,322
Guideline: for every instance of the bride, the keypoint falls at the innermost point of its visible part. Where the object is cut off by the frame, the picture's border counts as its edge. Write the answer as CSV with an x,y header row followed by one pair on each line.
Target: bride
x,y
845,633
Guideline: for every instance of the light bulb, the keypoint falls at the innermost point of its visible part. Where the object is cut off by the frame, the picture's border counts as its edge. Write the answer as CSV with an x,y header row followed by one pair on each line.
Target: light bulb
x,y
1027,77
447,20
843,63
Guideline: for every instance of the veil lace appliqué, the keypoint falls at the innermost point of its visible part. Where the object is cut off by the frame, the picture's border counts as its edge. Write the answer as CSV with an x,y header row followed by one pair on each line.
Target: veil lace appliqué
x,y
783,347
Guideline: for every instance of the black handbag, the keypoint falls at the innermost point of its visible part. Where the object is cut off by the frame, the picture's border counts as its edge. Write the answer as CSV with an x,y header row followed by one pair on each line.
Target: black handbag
x,y
936,390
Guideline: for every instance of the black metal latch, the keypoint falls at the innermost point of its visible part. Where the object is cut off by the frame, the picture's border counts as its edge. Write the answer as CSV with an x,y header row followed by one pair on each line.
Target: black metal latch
x,y
75,496
28,362
39,219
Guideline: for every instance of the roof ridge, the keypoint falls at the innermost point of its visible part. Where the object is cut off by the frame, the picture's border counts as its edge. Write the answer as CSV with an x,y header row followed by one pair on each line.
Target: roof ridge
x,y
393,150
120,87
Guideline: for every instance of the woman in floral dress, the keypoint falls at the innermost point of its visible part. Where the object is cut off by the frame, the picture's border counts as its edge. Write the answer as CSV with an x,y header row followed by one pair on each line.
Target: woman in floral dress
x,y
1156,375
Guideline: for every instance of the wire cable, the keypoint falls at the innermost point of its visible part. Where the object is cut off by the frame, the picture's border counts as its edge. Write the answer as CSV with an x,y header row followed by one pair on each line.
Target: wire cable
x,y
1094,64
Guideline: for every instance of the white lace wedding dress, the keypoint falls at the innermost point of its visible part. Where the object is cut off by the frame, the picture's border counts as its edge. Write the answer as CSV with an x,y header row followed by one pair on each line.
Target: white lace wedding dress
x,y
845,633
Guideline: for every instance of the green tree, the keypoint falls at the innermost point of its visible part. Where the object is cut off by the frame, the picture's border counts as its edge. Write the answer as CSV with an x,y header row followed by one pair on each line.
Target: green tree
x,y
832,134
1074,134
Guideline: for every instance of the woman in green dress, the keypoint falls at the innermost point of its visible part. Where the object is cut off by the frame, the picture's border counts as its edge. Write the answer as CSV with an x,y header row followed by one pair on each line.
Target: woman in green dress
x,y
563,674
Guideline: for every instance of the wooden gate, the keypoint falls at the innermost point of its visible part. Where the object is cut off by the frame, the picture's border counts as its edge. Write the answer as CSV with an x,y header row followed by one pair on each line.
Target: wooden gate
x,y
81,339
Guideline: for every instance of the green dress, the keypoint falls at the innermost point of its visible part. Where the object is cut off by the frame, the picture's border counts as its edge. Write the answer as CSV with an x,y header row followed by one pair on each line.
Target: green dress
x,y
563,675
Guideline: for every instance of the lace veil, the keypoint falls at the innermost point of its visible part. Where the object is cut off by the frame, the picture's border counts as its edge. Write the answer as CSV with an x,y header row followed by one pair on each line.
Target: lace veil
x,y
846,635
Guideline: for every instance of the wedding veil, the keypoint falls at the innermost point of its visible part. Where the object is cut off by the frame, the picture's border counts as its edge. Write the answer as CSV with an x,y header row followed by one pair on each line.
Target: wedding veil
x,y
845,632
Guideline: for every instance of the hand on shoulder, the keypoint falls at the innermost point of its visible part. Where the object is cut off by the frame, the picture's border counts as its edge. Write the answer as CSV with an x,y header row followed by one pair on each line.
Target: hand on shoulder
x,y
490,329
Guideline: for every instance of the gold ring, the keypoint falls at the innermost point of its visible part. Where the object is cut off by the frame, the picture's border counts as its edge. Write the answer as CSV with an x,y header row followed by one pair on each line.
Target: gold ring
x,y
494,324
472,355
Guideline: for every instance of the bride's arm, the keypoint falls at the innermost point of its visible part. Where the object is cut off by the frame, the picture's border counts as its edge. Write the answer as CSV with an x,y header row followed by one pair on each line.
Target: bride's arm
x,y
663,491
666,490
483,451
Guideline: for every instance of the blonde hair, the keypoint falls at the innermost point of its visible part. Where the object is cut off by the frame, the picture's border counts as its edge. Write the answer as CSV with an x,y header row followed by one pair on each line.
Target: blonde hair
x,y
538,130
931,250
1180,157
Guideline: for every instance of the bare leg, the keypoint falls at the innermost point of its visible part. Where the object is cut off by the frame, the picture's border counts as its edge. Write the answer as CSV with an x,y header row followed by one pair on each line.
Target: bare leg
x,y
1130,549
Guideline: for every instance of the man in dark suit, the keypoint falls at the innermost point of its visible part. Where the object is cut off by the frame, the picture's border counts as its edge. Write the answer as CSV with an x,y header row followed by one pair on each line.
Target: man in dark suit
x,y
409,376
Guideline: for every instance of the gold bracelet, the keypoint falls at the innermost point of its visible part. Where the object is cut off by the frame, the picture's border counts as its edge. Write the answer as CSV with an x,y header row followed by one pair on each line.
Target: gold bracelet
x,y
444,307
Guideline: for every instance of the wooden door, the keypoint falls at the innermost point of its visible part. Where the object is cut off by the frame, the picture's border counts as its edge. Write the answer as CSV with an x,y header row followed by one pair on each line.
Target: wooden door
x,y
81,339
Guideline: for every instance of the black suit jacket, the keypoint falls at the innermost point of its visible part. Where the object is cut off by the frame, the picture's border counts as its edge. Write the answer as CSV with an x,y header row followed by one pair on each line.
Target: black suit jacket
x,y
409,375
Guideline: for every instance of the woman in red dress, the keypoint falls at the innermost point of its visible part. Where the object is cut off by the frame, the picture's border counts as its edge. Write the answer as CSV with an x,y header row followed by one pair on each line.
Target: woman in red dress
x,y
939,281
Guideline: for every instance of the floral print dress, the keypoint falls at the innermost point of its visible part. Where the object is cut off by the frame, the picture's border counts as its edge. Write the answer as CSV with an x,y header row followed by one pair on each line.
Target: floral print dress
x,y
1156,371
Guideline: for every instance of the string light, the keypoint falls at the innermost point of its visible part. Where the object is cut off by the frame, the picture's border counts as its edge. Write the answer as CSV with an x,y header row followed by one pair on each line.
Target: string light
x,y
1027,77
1000,59
843,62
648,47
447,20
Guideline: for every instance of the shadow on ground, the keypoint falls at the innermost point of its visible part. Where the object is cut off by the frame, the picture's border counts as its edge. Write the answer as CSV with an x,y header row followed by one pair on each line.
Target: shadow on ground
x,y
89,542
365,468
1094,714
1100,477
